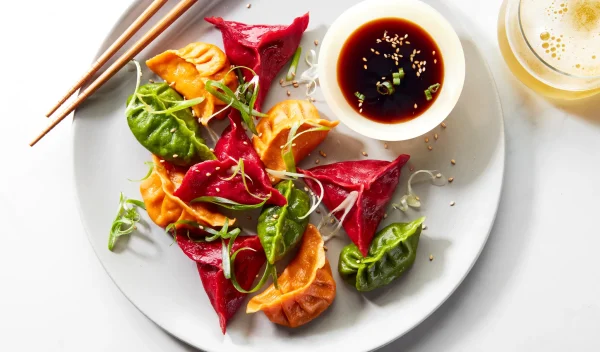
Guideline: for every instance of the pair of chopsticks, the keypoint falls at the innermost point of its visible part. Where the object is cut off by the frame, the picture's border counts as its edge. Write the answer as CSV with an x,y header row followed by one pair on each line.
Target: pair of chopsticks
x,y
154,32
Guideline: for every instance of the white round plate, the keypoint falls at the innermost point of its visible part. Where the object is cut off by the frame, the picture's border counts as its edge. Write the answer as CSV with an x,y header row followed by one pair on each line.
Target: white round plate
x,y
164,284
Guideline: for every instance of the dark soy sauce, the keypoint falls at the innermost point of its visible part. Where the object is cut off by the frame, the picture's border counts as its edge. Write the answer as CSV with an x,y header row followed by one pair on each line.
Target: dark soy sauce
x,y
369,42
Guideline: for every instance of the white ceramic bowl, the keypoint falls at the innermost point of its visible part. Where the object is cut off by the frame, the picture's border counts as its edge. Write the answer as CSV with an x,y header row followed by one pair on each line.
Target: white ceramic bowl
x,y
433,23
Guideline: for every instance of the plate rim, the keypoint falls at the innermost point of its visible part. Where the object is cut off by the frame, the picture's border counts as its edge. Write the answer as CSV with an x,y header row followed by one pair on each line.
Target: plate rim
x,y
374,346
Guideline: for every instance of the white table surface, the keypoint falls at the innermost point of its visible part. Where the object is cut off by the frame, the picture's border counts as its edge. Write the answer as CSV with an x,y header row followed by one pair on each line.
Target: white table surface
x,y
536,286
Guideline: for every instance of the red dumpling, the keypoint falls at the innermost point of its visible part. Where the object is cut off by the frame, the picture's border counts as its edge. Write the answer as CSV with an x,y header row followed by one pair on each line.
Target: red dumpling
x,y
225,299
210,178
264,48
374,180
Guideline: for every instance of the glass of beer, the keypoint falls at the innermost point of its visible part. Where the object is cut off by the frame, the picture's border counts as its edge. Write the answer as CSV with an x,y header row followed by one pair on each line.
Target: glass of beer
x,y
553,46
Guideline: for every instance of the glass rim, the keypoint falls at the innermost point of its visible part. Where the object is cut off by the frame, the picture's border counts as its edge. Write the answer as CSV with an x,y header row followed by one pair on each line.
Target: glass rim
x,y
547,64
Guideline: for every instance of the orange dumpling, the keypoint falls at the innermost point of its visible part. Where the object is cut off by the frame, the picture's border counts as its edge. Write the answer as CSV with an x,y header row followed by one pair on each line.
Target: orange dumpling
x,y
273,132
164,208
306,286
189,68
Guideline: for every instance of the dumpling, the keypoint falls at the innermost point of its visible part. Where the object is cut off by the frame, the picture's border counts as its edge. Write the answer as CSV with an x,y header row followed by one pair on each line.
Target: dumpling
x,y
306,286
223,296
263,48
164,208
375,182
189,68
273,132
212,178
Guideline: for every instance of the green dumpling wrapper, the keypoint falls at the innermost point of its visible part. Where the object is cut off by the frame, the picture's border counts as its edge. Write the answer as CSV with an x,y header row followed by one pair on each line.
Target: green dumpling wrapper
x,y
171,135
392,252
280,228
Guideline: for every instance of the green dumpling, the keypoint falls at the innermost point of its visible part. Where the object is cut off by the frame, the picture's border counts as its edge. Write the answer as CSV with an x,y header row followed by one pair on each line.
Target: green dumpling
x,y
163,125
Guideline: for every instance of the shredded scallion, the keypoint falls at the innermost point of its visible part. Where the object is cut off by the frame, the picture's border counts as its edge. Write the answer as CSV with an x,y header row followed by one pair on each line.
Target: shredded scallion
x,y
385,88
126,220
294,65
428,94
359,95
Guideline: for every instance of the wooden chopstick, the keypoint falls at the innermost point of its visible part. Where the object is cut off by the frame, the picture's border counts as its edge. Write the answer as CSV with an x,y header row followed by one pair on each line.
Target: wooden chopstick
x,y
154,32
129,32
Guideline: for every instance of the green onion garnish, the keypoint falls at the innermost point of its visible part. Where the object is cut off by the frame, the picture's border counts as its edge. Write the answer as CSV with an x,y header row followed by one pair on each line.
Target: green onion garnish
x,y
294,65
434,88
125,222
150,165
396,78
385,88
359,95
227,203
428,94
401,73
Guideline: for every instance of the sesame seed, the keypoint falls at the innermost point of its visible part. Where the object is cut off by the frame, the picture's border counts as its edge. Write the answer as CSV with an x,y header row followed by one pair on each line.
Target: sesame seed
x,y
332,220
378,40
275,216
218,168
365,66
173,130
175,155
322,153
435,61
317,161
433,52
443,125
438,175
360,110
364,59
450,179
208,174
415,105
196,170
288,93
281,81
418,74
372,50
151,80
385,215
385,145
377,52
407,42
435,136
453,162
211,149
296,85
162,161
293,144
245,143
412,168
417,198
171,84
426,140
429,147
248,6
431,257
424,69
260,134
452,203
365,154
217,189
405,36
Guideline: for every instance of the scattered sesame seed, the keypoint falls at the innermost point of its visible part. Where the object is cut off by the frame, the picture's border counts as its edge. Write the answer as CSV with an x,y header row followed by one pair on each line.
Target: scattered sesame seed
x,y
435,136
196,170
245,143
296,85
431,257
407,42
365,154
452,203
412,168
217,189
275,216
417,198
316,42
248,6
173,130
281,81
365,66
385,215
218,168
377,52
385,145
172,84
426,139
151,80
433,52
288,93
360,111
208,174
364,59
415,105
317,161
175,155
293,144
322,153
211,149
372,50
453,162
450,179
418,74
260,134
444,125
162,161
438,175
429,147
332,220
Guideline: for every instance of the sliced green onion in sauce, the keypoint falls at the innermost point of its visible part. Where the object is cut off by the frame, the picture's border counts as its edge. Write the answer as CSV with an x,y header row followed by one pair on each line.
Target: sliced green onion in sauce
x,y
396,80
385,88
359,95
434,88
428,94
401,73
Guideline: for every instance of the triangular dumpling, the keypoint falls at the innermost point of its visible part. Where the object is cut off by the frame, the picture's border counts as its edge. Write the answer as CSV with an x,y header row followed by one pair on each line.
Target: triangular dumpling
x,y
374,180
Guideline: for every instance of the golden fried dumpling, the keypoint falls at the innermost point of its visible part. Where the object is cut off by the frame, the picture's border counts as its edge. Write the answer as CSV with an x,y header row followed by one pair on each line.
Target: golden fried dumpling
x,y
189,68
306,286
164,208
273,132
